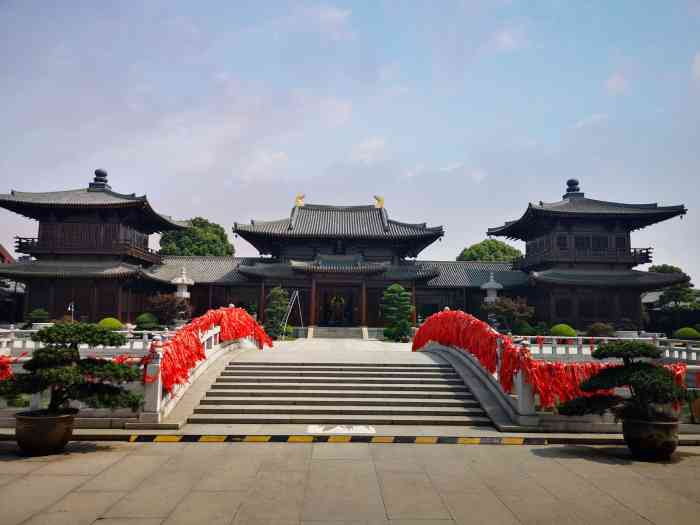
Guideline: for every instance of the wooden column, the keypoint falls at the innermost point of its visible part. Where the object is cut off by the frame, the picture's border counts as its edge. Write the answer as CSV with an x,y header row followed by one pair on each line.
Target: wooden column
x,y
413,301
93,302
364,303
312,303
52,300
261,306
211,293
119,301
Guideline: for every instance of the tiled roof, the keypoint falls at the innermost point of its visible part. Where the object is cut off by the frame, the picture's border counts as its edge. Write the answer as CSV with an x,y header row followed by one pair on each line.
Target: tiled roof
x,y
98,195
340,264
634,215
338,222
220,270
472,274
66,269
601,278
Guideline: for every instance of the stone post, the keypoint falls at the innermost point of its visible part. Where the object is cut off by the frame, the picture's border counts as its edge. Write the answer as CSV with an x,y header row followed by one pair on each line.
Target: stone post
x,y
526,397
153,391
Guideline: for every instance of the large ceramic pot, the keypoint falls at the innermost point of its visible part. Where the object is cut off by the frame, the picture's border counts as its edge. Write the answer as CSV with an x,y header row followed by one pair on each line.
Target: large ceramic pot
x,y
650,440
39,433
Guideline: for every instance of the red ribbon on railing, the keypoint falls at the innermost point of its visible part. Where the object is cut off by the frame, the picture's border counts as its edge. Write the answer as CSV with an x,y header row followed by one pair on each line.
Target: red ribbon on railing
x,y
552,381
540,342
6,363
182,353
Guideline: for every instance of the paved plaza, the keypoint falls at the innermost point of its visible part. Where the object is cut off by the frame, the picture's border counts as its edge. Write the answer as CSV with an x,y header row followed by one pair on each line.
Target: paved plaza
x,y
315,484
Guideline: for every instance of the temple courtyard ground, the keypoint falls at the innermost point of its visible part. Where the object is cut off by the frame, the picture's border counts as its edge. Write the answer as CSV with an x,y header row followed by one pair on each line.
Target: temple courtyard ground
x,y
318,484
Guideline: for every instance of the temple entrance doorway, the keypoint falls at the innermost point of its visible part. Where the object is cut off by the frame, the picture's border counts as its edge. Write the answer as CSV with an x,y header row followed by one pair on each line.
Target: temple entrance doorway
x,y
339,306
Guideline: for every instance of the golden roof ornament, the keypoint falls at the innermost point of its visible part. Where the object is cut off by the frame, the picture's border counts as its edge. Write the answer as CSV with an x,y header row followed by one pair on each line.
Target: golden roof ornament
x,y
380,201
299,200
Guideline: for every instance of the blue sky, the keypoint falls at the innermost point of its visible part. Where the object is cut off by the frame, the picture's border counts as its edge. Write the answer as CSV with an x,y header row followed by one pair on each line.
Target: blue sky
x,y
458,113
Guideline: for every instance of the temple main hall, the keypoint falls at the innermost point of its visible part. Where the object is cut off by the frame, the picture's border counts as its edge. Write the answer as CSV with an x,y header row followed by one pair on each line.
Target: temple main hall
x,y
92,252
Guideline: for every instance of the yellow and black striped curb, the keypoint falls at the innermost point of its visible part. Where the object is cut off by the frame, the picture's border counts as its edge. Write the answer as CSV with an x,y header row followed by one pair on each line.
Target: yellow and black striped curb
x,y
303,438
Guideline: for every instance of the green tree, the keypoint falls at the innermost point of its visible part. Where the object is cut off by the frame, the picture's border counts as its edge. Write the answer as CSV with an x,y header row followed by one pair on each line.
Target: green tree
x,y
58,368
202,238
491,250
510,312
397,308
679,296
275,310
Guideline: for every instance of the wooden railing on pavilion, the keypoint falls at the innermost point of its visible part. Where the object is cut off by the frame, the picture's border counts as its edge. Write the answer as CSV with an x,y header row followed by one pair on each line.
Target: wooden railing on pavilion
x,y
633,256
33,246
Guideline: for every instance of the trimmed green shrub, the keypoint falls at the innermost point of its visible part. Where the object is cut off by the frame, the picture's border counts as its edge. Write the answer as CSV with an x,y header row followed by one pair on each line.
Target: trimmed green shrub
x,y
38,315
58,368
562,330
147,321
626,350
523,328
687,332
110,323
275,310
601,330
397,308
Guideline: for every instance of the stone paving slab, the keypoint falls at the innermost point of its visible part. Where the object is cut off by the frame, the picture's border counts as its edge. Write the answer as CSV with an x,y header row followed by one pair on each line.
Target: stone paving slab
x,y
275,483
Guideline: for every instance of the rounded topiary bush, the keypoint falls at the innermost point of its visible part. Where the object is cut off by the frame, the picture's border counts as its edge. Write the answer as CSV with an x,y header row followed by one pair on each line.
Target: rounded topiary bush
x,y
110,323
562,330
524,328
601,330
38,315
146,321
687,332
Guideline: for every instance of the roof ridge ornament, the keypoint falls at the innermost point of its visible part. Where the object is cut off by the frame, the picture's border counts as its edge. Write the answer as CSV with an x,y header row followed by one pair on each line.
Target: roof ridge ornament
x,y
299,200
99,183
380,201
573,190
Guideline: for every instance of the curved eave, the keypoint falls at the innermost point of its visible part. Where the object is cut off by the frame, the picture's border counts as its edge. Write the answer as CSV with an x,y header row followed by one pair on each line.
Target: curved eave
x,y
523,227
633,279
251,235
153,221
24,273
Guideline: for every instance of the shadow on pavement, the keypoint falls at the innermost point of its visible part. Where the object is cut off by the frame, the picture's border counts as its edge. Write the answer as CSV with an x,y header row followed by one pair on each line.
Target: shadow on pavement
x,y
607,455
9,451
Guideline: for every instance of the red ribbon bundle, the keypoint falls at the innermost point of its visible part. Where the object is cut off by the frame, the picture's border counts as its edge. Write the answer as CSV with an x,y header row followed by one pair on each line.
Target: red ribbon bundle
x,y
185,350
5,367
552,381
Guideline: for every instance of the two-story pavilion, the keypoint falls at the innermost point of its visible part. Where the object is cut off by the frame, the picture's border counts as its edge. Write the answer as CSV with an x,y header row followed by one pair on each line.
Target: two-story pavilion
x,y
579,257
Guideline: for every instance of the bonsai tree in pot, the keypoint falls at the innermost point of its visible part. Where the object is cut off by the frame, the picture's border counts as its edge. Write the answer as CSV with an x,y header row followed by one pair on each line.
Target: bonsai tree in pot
x,y
649,410
58,368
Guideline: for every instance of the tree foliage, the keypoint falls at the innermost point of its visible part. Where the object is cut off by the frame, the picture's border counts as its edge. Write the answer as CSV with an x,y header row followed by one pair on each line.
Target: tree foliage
x,y
510,312
167,307
397,308
275,310
58,368
202,238
678,296
649,384
489,250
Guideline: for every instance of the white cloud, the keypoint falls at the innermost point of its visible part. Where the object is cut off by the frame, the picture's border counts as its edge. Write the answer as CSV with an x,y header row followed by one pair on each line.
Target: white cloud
x,y
335,111
591,120
330,21
370,151
461,170
509,39
616,84
264,164
696,67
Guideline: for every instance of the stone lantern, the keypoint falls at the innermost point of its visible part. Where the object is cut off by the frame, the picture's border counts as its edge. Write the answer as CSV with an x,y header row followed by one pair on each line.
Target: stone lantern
x,y
492,287
182,283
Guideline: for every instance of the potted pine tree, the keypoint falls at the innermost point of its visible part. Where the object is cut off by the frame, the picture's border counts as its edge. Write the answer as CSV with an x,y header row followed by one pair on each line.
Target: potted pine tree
x,y
58,368
649,408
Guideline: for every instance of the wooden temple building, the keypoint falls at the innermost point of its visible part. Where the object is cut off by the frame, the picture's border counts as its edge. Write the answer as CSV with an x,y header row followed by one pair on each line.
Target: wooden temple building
x,y
92,252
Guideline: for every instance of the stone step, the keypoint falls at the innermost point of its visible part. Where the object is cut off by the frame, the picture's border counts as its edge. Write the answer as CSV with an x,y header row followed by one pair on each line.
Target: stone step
x,y
336,401
331,379
222,391
373,369
308,419
335,386
307,365
324,332
340,374
339,410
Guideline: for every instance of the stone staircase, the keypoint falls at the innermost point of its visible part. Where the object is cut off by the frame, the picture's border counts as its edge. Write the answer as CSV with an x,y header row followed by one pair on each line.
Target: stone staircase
x,y
338,332
339,394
